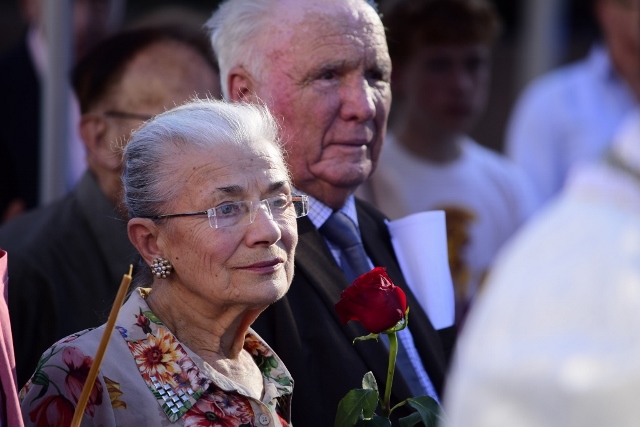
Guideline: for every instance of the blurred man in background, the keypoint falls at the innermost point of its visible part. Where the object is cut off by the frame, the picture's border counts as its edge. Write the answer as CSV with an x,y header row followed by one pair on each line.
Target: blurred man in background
x,y
68,258
440,50
571,114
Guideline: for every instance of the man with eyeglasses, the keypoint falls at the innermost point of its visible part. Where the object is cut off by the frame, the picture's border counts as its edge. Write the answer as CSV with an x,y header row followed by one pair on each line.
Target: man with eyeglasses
x,y
67,259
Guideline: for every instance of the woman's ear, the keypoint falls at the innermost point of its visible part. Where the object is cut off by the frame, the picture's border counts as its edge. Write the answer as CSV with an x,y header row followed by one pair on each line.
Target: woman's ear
x,y
241,85
143,234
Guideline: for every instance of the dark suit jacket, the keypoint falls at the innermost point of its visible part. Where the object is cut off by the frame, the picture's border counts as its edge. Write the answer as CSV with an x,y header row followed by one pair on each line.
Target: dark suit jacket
x,y
66,262
19,126
305,331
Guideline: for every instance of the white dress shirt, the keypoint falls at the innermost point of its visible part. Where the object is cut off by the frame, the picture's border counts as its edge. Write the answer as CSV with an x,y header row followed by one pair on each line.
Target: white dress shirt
x,y
567,116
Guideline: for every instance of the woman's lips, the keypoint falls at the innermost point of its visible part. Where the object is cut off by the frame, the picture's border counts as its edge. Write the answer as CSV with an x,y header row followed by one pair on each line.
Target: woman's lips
x,y
265,266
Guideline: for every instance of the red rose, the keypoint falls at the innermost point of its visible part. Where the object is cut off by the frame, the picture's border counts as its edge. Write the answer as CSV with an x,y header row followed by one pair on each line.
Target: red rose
x,y
374,301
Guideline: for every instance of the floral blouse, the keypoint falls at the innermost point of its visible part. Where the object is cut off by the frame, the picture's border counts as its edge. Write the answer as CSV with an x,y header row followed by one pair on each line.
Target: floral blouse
x,y
148,378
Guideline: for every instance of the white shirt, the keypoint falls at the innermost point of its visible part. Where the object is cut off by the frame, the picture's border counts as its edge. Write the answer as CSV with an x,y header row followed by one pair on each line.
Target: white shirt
x,y
567,116
484,195
554,341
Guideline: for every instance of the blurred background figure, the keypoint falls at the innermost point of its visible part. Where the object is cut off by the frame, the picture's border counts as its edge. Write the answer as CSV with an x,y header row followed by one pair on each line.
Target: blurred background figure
x,y
554,341
23,68
67,258
571,114
440,51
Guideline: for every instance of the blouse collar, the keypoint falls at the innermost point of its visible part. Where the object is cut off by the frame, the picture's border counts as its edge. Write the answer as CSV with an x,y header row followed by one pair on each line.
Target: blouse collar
x,y
175,375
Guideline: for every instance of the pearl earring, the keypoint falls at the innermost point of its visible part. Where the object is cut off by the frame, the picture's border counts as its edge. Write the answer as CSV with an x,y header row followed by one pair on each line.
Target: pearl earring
x,y
161,268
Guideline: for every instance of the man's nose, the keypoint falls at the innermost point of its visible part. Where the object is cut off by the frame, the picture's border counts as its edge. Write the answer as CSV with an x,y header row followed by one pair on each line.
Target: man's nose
x,y
357,98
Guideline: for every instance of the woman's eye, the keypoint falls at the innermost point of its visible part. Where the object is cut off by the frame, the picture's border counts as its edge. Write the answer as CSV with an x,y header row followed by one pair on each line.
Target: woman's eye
x,y
278,202
228,209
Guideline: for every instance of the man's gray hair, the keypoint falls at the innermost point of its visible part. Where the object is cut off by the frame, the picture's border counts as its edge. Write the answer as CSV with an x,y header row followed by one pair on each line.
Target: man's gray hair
x,y
204,125
235,29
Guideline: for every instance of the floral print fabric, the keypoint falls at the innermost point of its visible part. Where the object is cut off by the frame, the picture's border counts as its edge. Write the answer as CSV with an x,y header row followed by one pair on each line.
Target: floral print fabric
x,y
149,378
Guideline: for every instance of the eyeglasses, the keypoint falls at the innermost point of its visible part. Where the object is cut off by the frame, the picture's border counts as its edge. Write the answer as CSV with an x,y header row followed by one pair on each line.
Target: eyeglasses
x,y
127,115
244,213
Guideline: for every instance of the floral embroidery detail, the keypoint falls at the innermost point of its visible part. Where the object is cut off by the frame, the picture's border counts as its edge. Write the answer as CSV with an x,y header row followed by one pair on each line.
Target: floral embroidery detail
x,y
143,322
220,409
190,376
172,376
79,366
55,409
122,331
267,362
255,347
52,411
158,356
113,388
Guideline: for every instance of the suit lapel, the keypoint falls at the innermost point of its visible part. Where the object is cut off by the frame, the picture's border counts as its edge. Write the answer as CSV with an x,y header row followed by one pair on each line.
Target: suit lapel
x,y
377,243
315,261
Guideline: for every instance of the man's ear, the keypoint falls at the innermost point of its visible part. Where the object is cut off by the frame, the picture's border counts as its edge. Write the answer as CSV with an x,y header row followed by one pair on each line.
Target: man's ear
x,y
241,85
143,234
94,135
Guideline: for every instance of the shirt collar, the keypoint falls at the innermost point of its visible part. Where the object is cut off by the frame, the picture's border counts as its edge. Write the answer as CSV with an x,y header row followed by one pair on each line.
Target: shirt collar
x,y
600,62
182,377
319,212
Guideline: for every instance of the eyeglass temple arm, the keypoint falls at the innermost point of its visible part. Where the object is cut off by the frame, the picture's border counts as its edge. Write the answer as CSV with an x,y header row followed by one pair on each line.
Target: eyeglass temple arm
x,y
180,214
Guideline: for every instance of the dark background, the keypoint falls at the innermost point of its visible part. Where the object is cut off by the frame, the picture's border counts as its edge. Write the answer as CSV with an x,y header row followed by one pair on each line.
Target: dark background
x,y
576,33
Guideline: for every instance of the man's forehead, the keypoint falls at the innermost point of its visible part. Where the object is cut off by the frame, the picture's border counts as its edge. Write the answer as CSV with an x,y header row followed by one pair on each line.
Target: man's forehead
x,y
163,74
309,22
301,12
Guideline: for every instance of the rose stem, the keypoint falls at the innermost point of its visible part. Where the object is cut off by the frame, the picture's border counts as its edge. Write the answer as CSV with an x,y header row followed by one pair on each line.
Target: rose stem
x,y
393,352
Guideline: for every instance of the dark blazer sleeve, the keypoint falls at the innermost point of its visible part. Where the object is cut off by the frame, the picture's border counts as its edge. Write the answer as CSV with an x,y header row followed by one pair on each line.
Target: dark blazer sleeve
x,y
305,331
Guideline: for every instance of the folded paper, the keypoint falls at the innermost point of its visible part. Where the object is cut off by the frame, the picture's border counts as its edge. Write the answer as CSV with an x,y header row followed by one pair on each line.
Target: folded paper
x,y
420,243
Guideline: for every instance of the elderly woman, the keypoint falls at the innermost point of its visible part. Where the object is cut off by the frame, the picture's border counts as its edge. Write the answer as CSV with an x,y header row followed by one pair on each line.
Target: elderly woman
x,y
213,217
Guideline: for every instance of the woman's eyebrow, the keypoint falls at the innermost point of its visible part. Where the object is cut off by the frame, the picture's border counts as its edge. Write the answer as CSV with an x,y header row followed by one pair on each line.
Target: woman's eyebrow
x,y
277,185
231,189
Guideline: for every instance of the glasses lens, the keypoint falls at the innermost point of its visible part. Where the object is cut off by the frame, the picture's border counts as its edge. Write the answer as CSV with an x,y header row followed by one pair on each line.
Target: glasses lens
x,y
277,208
229,214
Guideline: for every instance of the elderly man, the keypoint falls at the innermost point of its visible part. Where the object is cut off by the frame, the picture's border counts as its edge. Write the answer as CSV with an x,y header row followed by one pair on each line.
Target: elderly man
x,y
68,258
323,69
